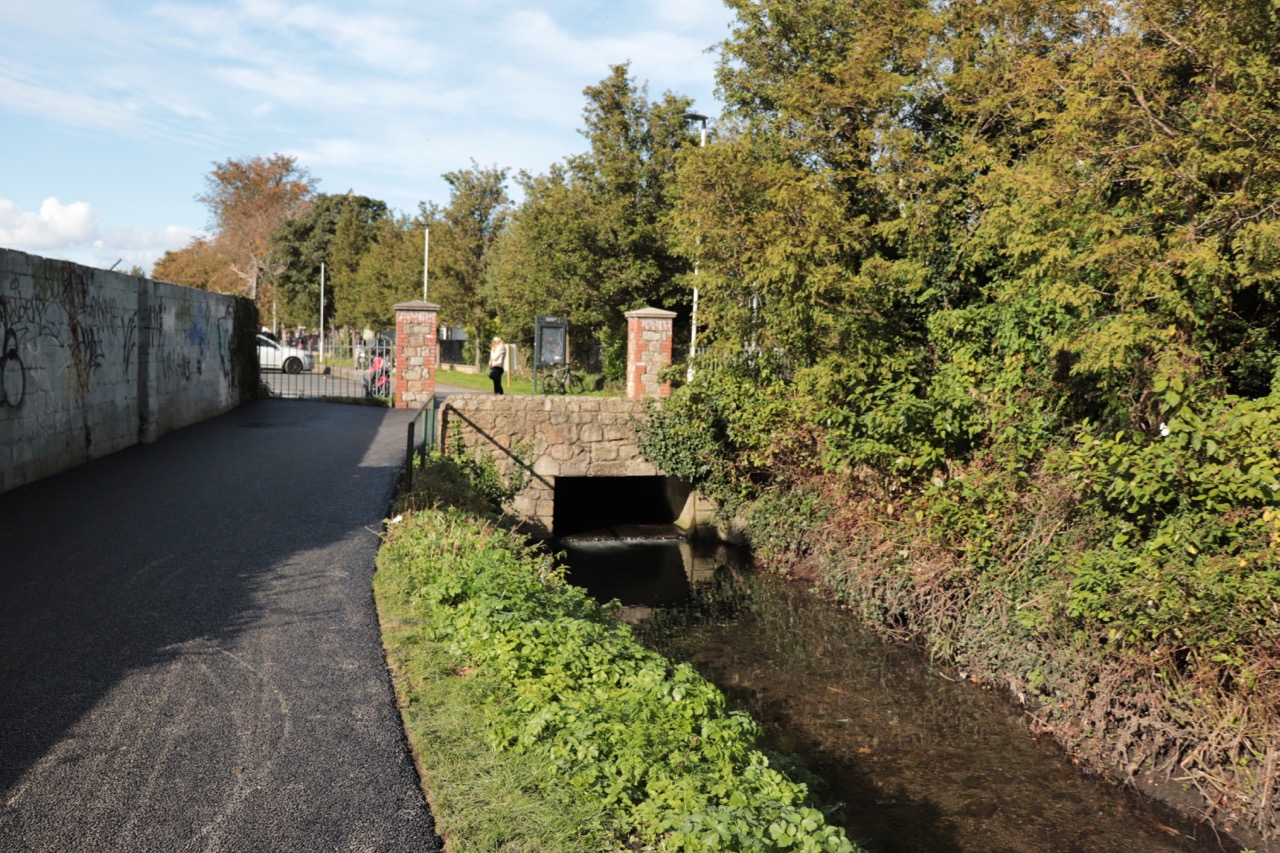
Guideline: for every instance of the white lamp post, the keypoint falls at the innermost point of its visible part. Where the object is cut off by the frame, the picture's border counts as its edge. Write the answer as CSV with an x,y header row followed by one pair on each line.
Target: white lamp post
x,y
693,334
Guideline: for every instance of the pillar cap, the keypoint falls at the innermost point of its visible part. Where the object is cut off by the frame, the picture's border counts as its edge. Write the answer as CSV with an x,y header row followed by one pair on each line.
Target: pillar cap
x,y
417,306
651,314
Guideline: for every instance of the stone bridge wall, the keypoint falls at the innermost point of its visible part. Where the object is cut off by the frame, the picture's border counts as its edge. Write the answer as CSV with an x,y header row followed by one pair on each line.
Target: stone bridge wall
x,y
557,437
94,361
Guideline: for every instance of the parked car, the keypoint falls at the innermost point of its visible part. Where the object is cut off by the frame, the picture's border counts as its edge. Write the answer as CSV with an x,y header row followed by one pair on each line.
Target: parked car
x,y
273,355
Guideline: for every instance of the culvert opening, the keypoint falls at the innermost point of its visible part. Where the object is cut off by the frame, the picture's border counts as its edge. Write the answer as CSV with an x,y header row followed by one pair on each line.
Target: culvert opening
x,y
589,504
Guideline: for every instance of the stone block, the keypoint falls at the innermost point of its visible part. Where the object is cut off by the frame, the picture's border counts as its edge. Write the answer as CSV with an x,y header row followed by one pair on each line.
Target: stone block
x,y
555,435
562,452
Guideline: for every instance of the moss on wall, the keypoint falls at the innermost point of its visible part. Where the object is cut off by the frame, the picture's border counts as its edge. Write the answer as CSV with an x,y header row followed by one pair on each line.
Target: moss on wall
x,y
244,349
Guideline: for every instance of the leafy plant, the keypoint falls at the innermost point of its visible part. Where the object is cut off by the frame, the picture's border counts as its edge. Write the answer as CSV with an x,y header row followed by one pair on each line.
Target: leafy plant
x,y
609,721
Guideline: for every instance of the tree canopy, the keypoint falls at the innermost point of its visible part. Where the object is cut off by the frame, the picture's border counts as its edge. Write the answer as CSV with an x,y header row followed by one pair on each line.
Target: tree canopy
x,y
463,234
336,230
248,200
590,240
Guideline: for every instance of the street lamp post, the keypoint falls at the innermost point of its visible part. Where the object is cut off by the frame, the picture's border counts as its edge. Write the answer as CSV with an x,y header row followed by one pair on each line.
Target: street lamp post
x,y
693,334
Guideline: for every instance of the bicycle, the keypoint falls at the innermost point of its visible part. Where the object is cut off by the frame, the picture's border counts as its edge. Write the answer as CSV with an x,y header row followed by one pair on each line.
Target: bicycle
x,y
562,380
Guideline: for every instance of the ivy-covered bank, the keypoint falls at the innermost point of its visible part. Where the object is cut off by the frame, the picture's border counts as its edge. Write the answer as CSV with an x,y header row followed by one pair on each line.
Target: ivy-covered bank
x,y
539,723
1123,586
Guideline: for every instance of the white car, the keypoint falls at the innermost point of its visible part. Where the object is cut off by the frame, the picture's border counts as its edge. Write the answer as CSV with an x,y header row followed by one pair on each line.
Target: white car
x,y
273,355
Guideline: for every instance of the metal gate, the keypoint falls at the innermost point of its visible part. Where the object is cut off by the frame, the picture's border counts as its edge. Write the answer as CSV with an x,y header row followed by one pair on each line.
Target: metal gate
x,y
302,370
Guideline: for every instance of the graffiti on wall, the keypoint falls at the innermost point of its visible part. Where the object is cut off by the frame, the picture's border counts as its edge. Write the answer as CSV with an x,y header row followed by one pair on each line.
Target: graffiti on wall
x,y
61,309
22,320
13,376
192,335
65,312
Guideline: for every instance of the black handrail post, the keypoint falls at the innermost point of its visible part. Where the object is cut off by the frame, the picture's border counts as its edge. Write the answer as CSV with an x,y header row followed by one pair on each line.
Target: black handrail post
x,y
408,458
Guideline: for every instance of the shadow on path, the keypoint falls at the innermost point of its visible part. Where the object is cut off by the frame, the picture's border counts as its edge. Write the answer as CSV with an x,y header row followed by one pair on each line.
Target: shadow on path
x,y
189,653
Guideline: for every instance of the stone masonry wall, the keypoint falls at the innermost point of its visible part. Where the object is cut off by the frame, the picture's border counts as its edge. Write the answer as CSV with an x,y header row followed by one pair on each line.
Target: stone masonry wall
x,y
94,361
559,436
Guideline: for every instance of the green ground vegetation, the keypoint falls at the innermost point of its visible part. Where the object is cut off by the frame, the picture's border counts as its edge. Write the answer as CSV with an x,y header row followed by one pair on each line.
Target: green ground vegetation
x,y
539,723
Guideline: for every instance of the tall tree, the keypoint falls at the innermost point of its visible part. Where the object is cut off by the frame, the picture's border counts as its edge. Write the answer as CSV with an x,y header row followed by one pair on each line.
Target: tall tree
x,y
542,263
198,264
972,212
337,230
590,239
462,237
390,271
248,200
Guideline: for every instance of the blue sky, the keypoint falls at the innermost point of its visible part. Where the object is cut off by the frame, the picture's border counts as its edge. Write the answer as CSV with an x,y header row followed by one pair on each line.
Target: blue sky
x,y
113,113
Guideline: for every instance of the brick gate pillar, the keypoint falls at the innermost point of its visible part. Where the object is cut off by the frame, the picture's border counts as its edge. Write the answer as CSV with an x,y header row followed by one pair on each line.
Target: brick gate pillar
x,y
417,350
649,334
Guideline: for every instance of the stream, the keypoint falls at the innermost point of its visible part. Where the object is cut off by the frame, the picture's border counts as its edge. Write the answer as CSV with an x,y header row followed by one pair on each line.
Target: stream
x,y
917,758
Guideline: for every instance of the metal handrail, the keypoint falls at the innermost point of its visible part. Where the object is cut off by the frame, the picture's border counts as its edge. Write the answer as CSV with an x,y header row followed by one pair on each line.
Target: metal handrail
x,y
444,433
428,438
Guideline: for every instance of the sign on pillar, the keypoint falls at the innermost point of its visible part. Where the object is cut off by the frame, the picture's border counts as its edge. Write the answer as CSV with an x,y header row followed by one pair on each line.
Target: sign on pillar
x,y
417,353
649,335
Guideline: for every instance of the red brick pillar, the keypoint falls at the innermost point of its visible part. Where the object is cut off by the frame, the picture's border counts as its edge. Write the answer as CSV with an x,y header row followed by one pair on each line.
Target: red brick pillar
x,y
417,350
649,334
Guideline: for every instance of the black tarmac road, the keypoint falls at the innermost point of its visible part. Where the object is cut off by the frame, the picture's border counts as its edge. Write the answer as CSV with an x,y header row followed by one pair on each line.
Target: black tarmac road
x,y
189,652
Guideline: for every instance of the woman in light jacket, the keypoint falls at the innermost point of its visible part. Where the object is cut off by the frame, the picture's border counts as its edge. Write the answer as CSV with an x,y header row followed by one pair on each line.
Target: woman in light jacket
x,y
497,363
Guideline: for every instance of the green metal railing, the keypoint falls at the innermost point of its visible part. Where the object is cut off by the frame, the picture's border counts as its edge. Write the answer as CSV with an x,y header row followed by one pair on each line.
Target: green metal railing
x,y
448,411
430,410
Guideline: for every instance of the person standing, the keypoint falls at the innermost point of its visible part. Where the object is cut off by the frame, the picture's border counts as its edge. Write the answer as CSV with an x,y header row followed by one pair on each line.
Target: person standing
x,y
497,363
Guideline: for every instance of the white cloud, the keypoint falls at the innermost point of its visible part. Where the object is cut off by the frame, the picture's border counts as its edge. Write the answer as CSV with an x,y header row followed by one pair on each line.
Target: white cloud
x,y
74,232
55,226
690,14
128,104
54,100
675,58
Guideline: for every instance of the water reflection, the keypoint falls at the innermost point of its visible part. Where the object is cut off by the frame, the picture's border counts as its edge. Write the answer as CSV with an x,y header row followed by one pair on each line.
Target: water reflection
x,y
921,760
645,567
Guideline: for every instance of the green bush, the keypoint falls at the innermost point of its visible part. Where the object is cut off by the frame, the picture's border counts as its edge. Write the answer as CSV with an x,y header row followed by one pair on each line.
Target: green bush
x,y
1192,560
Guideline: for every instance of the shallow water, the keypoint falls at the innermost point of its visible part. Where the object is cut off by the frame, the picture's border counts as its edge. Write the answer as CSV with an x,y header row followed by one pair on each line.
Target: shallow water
x,y
922,760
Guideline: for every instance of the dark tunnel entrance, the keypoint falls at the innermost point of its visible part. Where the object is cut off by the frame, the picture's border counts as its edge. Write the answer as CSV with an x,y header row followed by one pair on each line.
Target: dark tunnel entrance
x,y
584,504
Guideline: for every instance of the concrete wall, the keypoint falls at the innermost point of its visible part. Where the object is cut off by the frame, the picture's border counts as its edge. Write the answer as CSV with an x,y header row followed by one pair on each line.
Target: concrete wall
x,y
94,361
562,437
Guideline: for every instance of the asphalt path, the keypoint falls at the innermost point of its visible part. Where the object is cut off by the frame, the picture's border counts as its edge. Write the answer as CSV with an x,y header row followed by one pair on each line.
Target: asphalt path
x,y
189,651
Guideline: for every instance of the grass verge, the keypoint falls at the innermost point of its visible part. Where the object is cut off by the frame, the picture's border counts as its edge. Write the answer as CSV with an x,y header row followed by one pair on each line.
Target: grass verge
x,y
511,384
538,723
